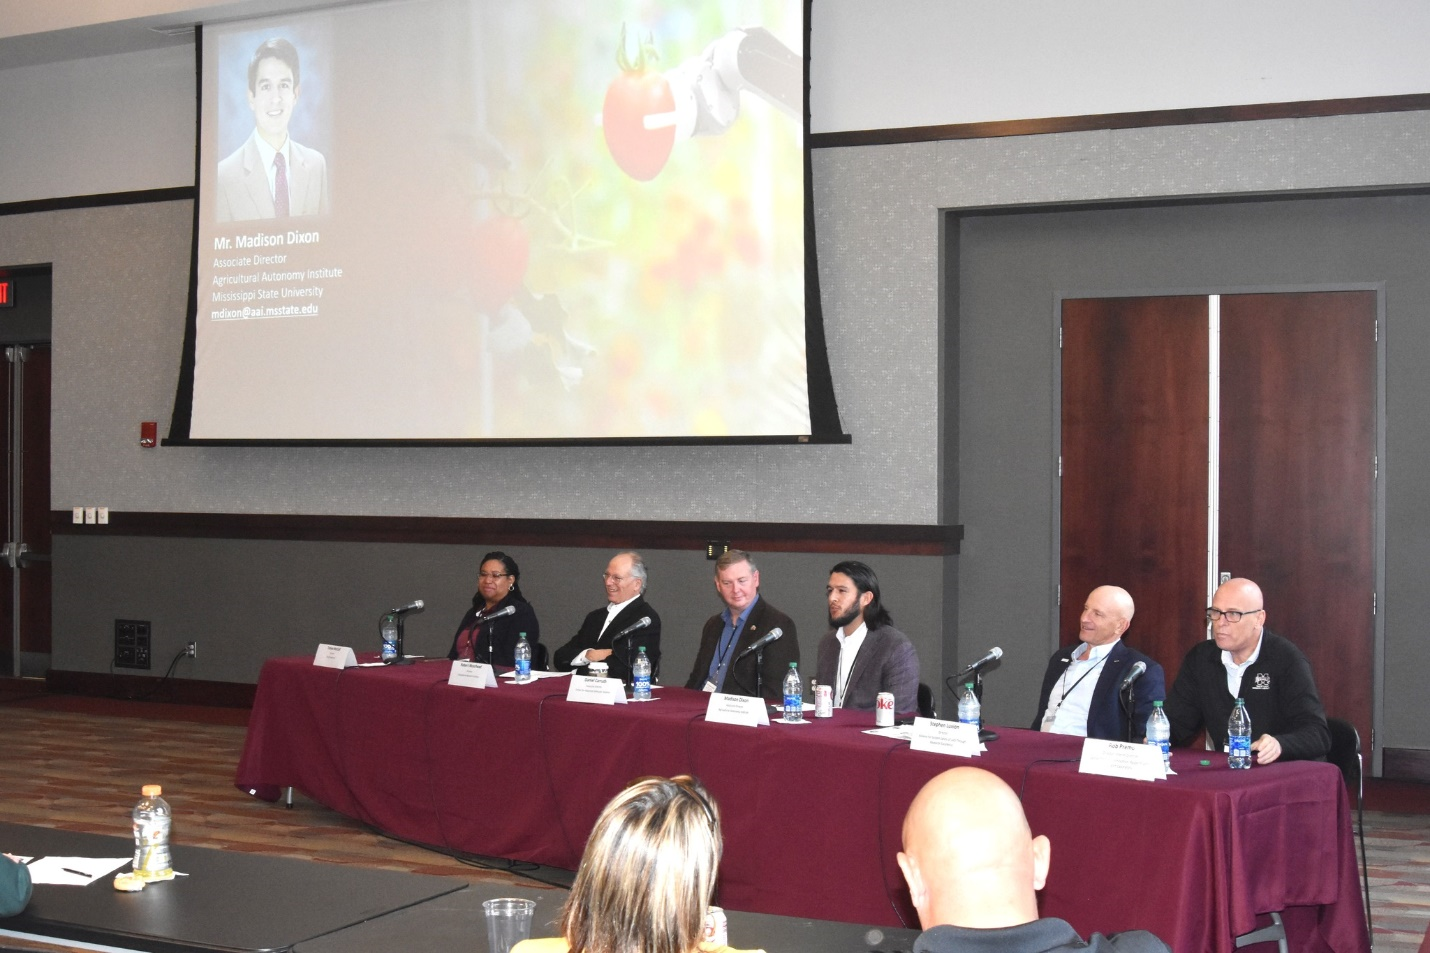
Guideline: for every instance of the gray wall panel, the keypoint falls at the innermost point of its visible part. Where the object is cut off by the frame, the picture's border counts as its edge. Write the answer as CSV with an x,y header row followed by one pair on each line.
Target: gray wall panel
x,y
247,600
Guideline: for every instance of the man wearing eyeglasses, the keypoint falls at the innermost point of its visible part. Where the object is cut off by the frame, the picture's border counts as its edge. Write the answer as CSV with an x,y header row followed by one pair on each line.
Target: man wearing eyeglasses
x,y
599,639
1245,660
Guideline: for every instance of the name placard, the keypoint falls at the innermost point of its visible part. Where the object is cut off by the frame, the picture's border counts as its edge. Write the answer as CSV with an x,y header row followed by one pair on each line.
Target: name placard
x,y
1122,759
736,710
335,656
472,675
593,690
945,737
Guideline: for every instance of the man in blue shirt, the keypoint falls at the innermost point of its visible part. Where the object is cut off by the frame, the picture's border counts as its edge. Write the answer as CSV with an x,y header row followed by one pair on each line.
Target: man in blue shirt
x,y
721,665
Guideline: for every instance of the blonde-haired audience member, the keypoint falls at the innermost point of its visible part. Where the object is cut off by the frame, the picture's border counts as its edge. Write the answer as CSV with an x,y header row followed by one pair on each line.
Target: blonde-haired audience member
x,y
647,876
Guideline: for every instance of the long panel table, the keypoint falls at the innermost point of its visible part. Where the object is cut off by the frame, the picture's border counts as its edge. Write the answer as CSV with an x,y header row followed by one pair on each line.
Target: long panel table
x,y
224,900
812,813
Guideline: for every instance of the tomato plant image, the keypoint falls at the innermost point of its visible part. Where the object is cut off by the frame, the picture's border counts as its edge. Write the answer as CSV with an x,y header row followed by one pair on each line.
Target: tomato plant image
x,y
633,95
501,251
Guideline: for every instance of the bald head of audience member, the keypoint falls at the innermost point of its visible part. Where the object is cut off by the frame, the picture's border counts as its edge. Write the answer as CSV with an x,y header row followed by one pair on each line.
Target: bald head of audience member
x,y
969,857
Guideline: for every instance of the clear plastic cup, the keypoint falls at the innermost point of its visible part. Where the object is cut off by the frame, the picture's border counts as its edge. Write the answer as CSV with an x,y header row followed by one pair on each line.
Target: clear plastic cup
x,y
508,922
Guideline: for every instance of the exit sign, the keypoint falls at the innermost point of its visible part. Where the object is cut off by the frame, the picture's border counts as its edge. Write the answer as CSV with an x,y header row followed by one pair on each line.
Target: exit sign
x,y
7,292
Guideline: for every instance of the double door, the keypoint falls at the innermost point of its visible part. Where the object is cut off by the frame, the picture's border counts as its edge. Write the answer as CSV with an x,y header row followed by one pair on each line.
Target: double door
x,y
1214,435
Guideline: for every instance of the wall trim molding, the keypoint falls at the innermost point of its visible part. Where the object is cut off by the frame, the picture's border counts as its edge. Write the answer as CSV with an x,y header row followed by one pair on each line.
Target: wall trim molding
x,y
1307,109
1405,764
878,539
100,200
182,691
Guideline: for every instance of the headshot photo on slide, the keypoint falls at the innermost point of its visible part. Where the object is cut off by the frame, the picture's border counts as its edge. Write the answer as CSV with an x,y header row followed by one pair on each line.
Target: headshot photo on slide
x,y
270,175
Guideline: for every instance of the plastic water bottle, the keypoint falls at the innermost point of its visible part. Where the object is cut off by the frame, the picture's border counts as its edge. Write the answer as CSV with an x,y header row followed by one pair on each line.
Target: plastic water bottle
x,y
970,709
1238,737
389,638
1159,732
151,835
794,695
523,659
640,676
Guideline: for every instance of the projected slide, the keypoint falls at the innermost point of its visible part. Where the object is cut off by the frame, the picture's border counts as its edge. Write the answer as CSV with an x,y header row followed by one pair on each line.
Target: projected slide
x,y
514,219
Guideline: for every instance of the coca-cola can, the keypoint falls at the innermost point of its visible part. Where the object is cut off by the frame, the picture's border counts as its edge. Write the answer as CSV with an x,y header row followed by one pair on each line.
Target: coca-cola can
x,y
884,710
717,930
824,701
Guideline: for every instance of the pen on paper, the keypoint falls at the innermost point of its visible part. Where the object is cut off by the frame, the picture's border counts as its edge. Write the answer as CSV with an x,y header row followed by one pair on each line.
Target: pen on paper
x,y
77,873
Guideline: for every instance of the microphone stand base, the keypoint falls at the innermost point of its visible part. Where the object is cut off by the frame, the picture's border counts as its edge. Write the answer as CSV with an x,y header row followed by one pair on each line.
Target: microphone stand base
x,y
985,735
402,660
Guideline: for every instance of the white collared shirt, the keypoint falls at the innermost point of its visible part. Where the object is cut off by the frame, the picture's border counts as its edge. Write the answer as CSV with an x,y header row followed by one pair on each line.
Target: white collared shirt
x,y
1235,671
1071,697
266,153
848,652
613,609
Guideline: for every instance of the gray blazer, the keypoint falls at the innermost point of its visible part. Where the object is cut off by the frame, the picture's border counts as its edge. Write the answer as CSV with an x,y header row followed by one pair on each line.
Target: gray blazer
x,y
887,662
243,184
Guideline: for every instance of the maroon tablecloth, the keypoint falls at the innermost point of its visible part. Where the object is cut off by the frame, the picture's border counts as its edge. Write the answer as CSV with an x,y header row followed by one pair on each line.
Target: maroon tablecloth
x,y
812,813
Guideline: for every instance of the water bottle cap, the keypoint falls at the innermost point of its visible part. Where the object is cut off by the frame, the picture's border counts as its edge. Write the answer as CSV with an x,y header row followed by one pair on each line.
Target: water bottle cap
x,y
1157,704
968,685
642,649
792,665
151,790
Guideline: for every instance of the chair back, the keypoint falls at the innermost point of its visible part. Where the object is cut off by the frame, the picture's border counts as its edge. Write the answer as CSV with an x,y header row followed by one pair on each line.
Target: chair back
x,y
1345,750
925,702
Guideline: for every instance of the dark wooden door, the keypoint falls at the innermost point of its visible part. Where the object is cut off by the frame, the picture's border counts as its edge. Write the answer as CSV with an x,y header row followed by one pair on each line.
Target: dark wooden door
x,y
1298,384
1134,459
26,408
1296,471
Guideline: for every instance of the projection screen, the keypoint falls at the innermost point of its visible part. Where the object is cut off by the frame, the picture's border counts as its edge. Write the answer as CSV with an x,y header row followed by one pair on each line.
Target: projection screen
x,y
543,220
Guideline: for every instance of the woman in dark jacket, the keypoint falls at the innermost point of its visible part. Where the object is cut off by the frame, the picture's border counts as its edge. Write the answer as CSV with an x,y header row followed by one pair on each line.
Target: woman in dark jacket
x,y
498,586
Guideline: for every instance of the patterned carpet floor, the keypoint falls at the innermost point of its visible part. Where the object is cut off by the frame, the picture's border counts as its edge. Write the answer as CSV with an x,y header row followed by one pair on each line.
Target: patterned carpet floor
x,y
78,764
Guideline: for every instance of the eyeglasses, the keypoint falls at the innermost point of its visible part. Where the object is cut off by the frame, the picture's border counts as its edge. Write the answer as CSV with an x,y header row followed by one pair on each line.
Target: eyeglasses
x,y
1232,615
616,579
492,576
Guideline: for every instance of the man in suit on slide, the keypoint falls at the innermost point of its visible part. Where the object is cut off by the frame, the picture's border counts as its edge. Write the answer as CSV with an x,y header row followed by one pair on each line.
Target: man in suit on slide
x,y
270,175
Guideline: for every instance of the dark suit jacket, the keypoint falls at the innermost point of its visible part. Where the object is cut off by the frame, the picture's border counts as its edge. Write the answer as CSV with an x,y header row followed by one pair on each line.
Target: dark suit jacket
x,y
502,634
1105,717
740,678
590,636
887,662
1280,694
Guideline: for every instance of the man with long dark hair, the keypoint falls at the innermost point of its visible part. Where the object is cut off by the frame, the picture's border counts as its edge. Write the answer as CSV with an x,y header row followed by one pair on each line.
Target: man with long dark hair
x,y
863,654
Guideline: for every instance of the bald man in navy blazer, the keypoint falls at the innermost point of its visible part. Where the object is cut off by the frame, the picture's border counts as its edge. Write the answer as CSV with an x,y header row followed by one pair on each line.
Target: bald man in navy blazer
x,y
1081,686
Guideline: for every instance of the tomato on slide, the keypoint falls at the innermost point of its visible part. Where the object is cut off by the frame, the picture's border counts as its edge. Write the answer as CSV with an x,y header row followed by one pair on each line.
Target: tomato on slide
x,y
632,96
501,250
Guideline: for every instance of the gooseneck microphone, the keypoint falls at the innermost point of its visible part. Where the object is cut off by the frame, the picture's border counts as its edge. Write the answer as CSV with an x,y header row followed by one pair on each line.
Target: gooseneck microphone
x,y
1133,673
994,654
483,617
771,636
635,626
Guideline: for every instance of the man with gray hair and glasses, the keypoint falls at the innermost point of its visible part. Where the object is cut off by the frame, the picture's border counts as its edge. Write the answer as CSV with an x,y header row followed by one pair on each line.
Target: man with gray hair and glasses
x,y
1244,659
600,637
